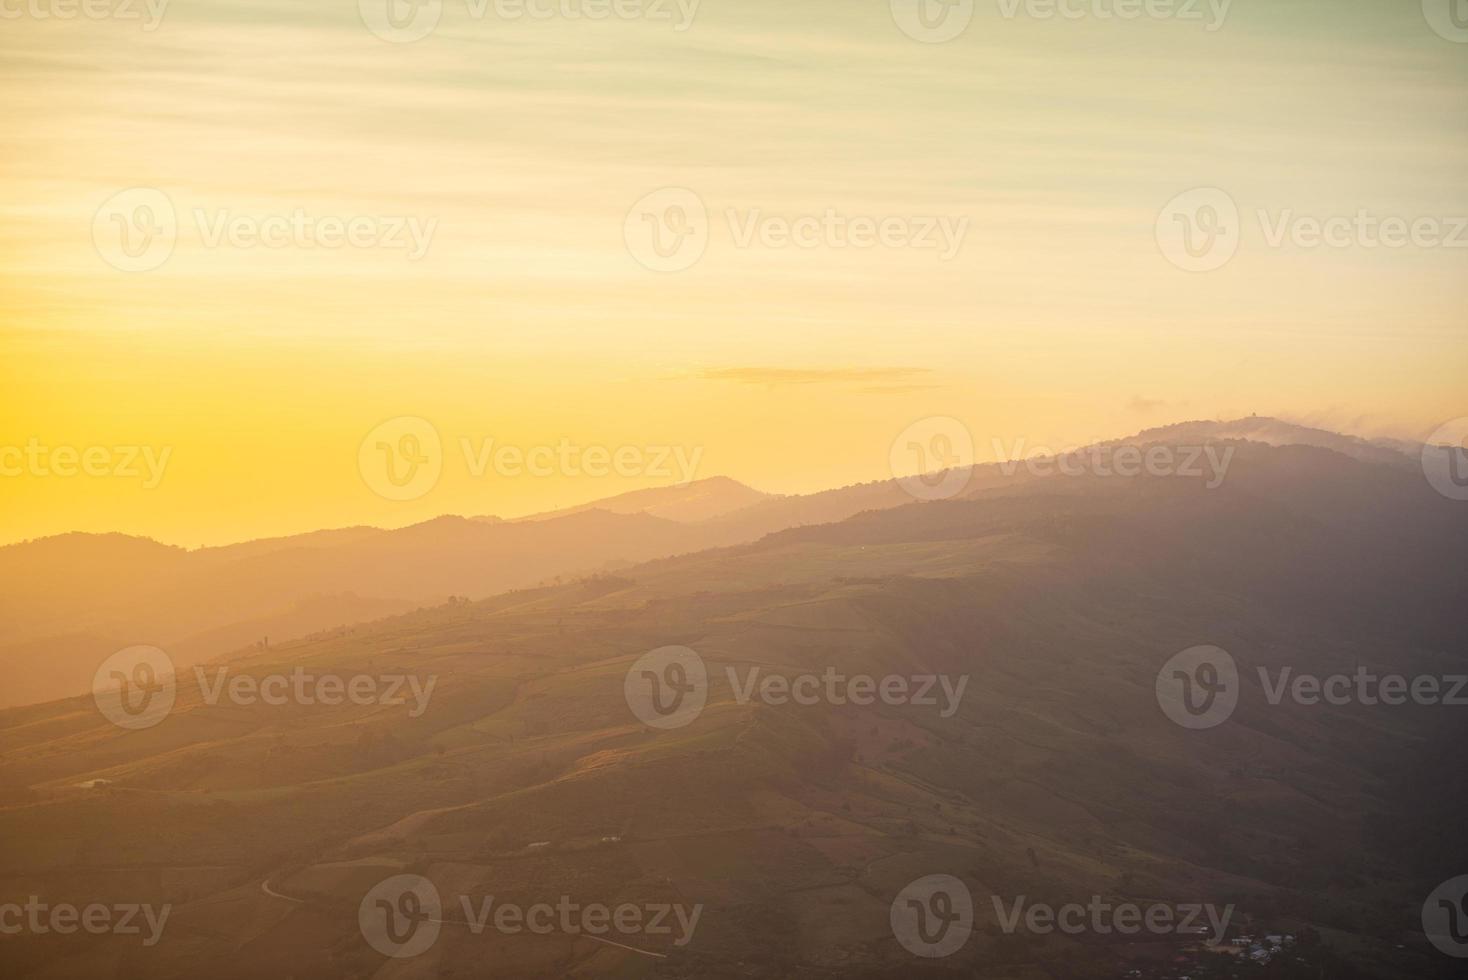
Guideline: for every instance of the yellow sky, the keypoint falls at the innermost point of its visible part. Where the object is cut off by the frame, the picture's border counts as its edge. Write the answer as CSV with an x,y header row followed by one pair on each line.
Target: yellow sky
x,y
517,148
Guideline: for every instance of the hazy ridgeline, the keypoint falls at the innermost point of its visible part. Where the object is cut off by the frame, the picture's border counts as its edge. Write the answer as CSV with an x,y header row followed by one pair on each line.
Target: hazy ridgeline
x,y
496,750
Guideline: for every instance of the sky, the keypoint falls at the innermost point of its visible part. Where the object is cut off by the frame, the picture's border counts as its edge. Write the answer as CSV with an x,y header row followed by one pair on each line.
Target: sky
x,y
261,244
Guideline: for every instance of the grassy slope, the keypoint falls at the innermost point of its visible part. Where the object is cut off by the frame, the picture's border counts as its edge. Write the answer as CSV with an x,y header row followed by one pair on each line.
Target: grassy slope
x,y
795,826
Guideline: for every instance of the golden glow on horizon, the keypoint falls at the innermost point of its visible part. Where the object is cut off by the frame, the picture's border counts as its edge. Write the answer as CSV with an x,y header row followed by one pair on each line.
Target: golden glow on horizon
x,y
523,145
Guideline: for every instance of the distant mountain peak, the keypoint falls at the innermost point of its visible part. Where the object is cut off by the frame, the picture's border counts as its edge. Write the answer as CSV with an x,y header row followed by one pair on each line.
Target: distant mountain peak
x,y
1273,431
93,542
697,500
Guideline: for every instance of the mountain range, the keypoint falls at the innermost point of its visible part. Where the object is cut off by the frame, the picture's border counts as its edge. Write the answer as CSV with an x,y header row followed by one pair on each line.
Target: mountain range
x,y
793,826
69,600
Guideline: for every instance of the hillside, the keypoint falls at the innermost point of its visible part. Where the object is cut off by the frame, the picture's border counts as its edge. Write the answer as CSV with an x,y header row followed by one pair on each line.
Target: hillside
x,y
794,826
700,500
80,597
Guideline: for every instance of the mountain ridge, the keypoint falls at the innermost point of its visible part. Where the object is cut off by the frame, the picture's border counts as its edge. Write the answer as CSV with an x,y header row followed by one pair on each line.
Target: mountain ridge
x,y
794,826
209,601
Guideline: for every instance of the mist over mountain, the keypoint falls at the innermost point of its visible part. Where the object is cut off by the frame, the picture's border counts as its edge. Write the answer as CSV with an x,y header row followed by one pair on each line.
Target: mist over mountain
x,y
1275,432
675,497
793,827
81,596
699,500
